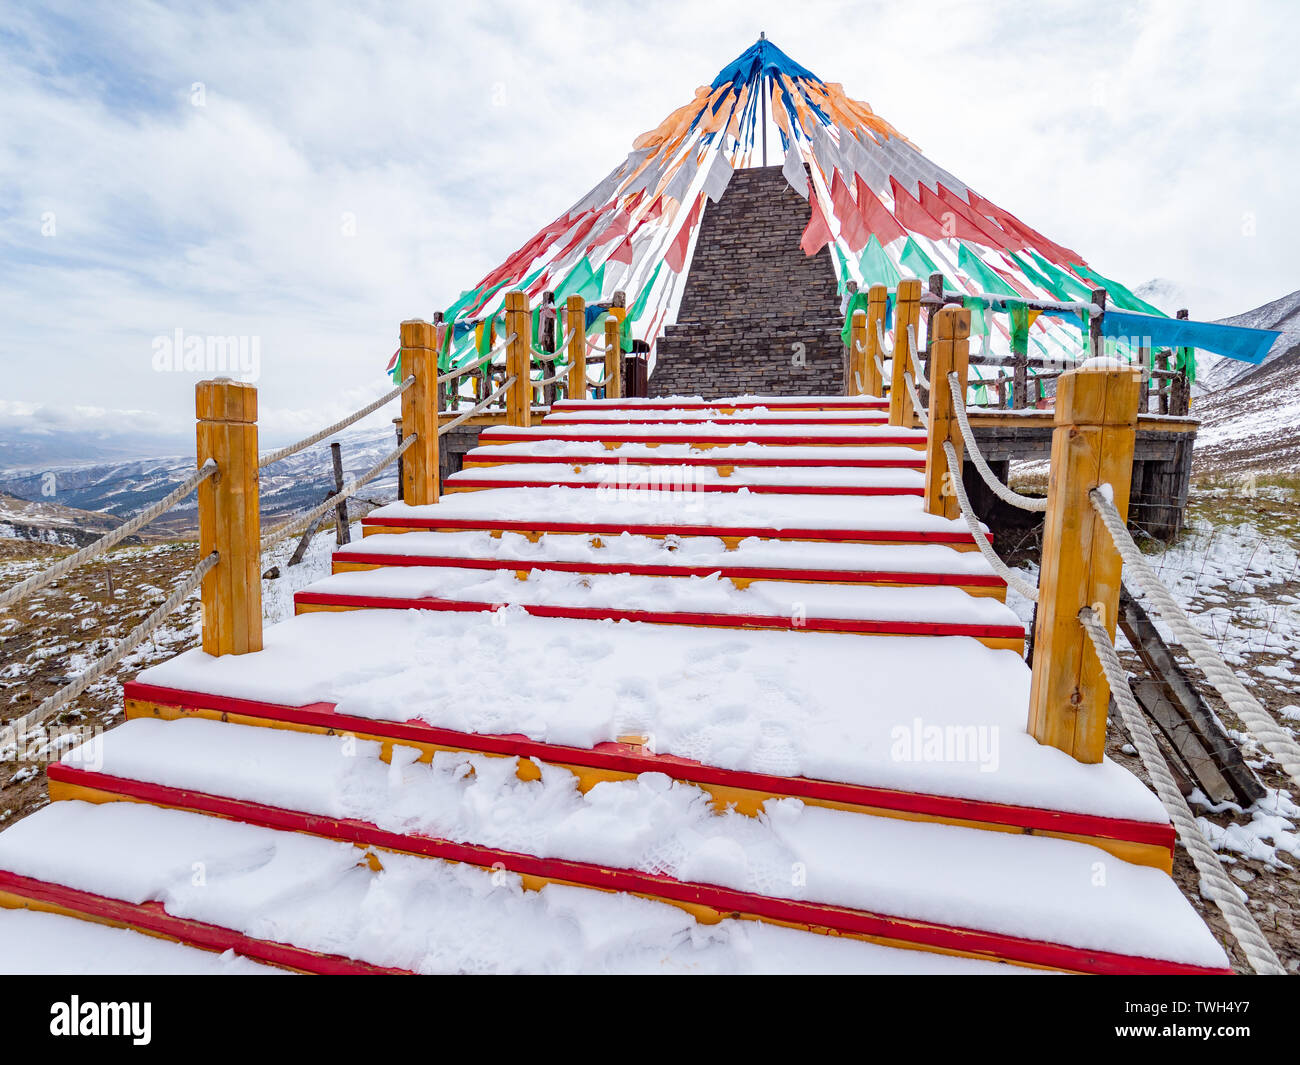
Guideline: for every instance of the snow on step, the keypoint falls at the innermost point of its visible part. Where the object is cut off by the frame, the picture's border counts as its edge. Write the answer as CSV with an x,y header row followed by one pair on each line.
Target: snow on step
x,y
1029,887
750,454
702,554
696,478
34,943
704,430
420,914
825,706
795,603
728,403
754,415
550,508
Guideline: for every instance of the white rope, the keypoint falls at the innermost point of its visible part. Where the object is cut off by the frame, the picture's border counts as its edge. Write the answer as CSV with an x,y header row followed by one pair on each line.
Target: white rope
x,y
977,530
15,730
93,550
1258,721
351,488
316,438
469,367
858,378
1215,884
550,380
918,408
1002,491
598,384
476,409
911,358
887,351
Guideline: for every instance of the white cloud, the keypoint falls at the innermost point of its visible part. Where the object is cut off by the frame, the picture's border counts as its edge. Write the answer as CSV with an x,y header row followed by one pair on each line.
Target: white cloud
x,y
1146,136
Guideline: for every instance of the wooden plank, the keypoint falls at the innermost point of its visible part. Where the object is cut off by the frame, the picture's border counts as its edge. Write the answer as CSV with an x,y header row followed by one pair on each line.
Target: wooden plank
x,y
1194,732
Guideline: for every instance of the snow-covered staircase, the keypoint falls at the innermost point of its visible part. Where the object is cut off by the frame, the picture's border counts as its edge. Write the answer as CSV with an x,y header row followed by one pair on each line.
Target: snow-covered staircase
x,y
658,685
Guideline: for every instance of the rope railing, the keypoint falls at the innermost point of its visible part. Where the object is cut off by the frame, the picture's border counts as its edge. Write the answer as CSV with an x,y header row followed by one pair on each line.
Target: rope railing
x,y
109,540
469,367
915,363
561,376
338,426
1215,884
1248,709
918,408
293,525
986,548
478,408
1002,491
16,730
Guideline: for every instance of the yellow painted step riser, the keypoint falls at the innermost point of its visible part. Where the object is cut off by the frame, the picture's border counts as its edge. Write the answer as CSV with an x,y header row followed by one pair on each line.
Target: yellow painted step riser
x,y
731,542
703,444
998,593
747,801
706,915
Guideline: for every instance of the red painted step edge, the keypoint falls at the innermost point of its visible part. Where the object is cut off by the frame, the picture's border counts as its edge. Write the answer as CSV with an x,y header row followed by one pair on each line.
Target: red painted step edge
x,y
905,536
756,573
835,402
723,899
622,758
614,458
861,418
468,480
679,617
151,917
497,434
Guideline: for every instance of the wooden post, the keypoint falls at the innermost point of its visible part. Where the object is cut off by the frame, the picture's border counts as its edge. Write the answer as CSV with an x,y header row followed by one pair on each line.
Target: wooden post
x,y
1019,369
877,304
1144,391
420,414
1096,343
519,359
547,340
858,354
1092,445
613,359
907,313
936,289
342,533
949,352
1182,393
850,385
401,461
451,399
229,517
575,329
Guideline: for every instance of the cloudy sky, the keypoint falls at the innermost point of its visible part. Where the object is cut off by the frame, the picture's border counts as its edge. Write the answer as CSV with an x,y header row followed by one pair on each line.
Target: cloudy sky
x,y
311,174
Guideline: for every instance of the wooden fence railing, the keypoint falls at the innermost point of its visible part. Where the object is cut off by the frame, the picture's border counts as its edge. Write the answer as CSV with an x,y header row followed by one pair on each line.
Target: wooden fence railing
x,y
1021,380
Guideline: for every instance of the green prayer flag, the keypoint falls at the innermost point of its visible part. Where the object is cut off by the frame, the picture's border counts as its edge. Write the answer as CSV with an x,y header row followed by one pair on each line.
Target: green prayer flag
x,y
876,266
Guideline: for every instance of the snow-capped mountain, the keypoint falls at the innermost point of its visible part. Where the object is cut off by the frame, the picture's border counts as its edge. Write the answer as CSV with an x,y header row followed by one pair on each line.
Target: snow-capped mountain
x,y
122,488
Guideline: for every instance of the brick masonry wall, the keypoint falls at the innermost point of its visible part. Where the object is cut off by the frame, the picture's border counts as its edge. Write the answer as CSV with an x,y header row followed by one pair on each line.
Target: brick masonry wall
x,y
751,296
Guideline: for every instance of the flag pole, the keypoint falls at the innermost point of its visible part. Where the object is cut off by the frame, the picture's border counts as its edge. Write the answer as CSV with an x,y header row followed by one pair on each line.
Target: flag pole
x,y
762,81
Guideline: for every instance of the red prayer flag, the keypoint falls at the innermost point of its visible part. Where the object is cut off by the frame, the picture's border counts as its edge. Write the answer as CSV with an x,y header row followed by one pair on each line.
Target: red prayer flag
x,y
876,215
852,228
818,233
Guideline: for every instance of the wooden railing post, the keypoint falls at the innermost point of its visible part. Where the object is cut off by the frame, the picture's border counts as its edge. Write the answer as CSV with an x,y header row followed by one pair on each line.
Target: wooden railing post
x,y
1092,445
547,342
519,359
1182,393
936,291
949,352
420,413
858,354
613,358
877,304
575,332
229,517
907,313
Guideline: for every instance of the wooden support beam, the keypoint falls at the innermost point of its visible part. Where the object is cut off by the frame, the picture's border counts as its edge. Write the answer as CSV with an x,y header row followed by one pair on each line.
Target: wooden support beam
x,y
935,291
949,352
420,414
877,305
613,358
1096,345
1092,445
229,517
342,532
575,332
907,314
547,341
519,359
